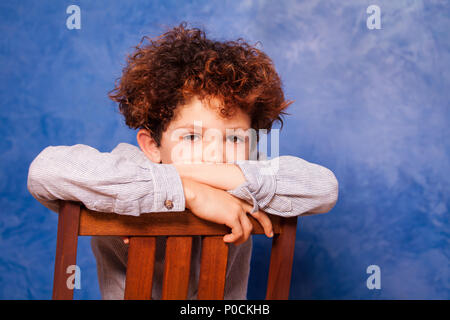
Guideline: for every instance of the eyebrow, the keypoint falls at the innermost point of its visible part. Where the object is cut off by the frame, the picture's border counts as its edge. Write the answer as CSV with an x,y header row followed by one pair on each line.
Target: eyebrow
x,y
191,126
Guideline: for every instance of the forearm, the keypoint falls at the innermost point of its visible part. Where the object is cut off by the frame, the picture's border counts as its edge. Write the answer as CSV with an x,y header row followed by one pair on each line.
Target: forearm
x,y
225,176
288,186
122,181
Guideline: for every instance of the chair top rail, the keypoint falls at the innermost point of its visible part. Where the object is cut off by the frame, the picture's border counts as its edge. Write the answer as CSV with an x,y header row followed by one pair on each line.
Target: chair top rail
x,y
158,224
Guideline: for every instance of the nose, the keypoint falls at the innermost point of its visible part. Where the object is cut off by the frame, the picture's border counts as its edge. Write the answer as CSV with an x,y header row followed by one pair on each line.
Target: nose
x,y
213,151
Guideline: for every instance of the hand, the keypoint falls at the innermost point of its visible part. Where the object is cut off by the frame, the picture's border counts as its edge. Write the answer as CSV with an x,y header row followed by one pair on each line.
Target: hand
x,y
219,206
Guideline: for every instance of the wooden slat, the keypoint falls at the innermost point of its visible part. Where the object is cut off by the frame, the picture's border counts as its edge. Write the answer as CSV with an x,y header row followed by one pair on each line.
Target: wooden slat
x,y
140,266
157,224
213,268
177,267
281,259
66,248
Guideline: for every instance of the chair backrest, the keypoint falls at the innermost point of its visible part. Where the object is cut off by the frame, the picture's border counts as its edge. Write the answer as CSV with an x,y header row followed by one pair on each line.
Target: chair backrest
x,y
76,220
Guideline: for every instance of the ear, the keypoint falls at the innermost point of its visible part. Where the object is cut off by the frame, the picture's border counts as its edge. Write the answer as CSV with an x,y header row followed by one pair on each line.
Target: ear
x,y
148,145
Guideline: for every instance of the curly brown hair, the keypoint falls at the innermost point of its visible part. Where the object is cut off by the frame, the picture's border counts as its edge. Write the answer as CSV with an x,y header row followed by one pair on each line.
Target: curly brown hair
x,y
183,63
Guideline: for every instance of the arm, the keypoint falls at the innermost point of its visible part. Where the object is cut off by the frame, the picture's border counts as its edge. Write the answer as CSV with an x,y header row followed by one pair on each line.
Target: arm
x,y
285,186
225,176
123,181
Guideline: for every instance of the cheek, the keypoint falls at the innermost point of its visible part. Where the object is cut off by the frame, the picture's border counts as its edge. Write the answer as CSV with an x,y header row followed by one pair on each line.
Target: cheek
x,y
166,149
165,155
237,152
182,152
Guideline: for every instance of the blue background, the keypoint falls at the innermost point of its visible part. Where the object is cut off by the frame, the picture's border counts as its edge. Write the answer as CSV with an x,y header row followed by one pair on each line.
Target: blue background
x,y
371,105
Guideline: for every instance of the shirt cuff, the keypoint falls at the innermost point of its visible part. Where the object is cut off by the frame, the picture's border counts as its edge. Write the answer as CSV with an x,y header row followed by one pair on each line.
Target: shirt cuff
x,y
260,184
243,192
168,189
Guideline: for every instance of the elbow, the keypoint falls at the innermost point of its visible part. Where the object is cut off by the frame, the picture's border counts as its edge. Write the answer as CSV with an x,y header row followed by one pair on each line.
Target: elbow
x,y
35,176
327,198
331,192
39,175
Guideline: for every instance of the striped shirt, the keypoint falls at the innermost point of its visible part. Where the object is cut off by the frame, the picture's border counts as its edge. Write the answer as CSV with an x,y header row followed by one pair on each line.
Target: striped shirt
x,y
125,181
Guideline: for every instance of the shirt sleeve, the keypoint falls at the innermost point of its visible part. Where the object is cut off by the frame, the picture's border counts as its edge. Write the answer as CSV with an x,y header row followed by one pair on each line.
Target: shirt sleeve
x,y
287,186
123,181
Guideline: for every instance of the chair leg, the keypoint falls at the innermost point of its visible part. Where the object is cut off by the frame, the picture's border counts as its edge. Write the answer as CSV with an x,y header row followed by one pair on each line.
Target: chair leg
x,y
66,248
281,260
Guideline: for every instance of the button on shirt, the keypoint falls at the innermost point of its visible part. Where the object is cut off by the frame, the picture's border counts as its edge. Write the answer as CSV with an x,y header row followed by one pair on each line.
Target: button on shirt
x,y
168,204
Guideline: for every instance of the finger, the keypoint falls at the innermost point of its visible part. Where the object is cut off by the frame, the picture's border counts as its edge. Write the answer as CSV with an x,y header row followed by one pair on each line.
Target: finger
x,y
236,231
246,206
262,218
265,222
247,227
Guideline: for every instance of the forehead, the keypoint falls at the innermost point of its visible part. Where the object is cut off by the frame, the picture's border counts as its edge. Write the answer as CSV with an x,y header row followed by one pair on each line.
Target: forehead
x,y
208,113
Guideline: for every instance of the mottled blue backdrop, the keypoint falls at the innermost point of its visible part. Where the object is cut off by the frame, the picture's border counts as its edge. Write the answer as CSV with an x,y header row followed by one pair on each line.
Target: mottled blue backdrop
x,y
371,105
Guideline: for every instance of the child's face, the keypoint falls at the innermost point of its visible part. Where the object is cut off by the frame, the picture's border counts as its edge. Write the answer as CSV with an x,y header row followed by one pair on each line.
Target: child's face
x,y
198,133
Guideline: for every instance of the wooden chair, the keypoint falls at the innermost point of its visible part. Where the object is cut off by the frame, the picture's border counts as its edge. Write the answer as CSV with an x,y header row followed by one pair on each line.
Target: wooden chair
x,y
76,220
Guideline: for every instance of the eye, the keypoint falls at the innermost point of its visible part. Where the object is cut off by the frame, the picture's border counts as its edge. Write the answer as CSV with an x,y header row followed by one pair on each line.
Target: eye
x,y
235,139
191,137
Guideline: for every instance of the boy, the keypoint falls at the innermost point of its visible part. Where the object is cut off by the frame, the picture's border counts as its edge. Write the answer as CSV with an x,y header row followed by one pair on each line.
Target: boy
x,y
194,102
